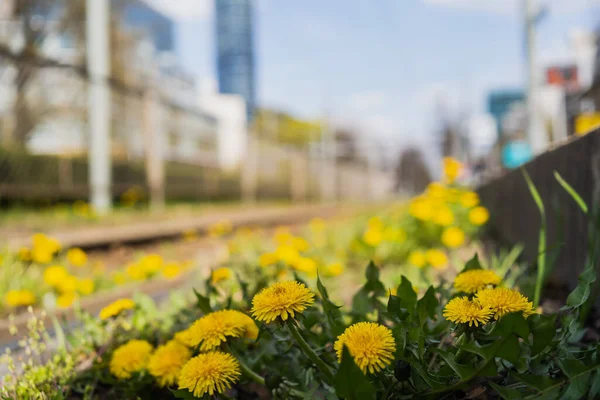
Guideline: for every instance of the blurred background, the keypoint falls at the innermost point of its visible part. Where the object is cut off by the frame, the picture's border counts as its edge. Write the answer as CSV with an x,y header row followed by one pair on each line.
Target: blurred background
x,y
113,102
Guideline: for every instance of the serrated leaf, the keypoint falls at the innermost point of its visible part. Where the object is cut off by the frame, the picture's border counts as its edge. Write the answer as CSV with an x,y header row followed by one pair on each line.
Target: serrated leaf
x,y
332,311
488,370
203,303
543,328
595,388
361,304
510,349
582,292
427,305
577,388
349,381
473,263
506,393
537,382
487,352
395,309
407,295
464,371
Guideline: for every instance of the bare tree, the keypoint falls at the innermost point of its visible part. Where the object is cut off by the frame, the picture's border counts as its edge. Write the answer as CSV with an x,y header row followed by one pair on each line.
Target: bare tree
x,y
35,20
412,174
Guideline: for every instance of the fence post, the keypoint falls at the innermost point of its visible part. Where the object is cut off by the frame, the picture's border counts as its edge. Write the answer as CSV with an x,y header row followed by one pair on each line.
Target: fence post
x,y
154,160
250,170
298,180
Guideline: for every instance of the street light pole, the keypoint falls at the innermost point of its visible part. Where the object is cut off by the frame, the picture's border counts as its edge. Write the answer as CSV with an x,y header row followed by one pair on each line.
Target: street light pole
x,y
535,133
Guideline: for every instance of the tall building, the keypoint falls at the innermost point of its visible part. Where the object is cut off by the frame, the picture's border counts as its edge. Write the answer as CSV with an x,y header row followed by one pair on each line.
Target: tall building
x,y
235,50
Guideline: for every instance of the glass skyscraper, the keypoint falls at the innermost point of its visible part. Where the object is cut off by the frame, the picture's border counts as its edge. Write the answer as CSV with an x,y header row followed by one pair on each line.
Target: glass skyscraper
x,y
235,50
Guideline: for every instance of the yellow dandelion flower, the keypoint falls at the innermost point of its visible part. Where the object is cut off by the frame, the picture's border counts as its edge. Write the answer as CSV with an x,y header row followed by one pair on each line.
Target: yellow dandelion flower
x,y
452,169
16,298
371,345
461,310
393,234
443,217
129,358
475,280
437,258
85,286
136,272
54,275
417,258
373,236
469,199
503,301
67,285
334,269
214,328
221,274
281,300
24,254
77,257
479,215
151,263
306,265
166,362
421,208
267,259
453,237
210,373
300,244
41,255
66,300
171,270
119,278
47,243
287,254
116,307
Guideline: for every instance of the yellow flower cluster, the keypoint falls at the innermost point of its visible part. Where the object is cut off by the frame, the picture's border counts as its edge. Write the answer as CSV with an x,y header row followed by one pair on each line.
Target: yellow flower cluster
x,y
16,298
289,253
377,232
487,302
435,258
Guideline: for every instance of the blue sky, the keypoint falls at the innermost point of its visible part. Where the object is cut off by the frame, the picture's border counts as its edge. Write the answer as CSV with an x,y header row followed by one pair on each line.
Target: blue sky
x,y
383,64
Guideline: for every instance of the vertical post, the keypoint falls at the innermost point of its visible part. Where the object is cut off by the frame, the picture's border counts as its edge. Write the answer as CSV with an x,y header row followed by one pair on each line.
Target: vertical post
x,y
155,167
98,64
535,133
328,181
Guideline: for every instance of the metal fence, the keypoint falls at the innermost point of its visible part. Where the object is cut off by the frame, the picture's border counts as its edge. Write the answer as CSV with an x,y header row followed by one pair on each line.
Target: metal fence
x,y
516,219
160,143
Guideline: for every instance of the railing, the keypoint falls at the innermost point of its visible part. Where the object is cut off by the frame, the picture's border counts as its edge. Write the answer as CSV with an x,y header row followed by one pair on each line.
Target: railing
x,y
516,219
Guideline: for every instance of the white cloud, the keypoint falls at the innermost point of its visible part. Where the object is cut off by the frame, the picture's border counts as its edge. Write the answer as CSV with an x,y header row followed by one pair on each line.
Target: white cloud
x,y
184,9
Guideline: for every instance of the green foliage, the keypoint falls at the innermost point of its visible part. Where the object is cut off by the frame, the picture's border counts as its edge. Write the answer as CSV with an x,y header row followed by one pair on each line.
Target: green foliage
x,y
541,259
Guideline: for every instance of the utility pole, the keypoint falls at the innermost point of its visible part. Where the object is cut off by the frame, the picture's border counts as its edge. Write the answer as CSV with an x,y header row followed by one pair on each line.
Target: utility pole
x,y
535,133
98,64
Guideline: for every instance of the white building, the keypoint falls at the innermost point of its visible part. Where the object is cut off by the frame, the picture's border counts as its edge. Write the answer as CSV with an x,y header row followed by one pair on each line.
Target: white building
x,y
186,133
